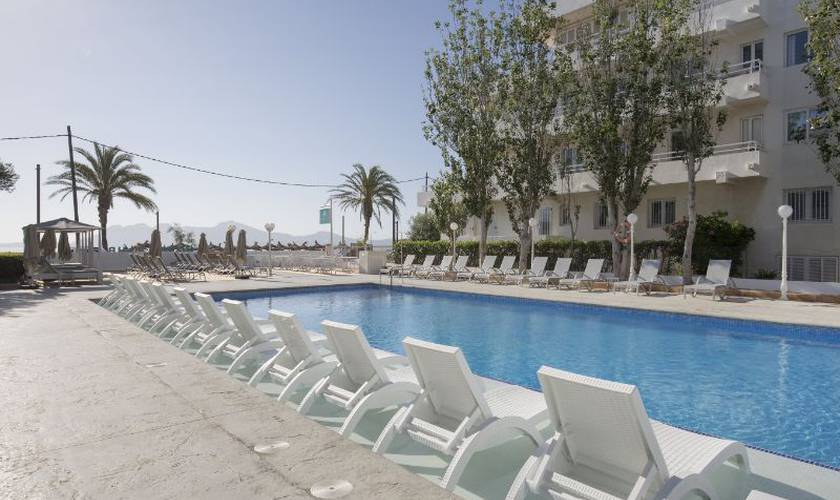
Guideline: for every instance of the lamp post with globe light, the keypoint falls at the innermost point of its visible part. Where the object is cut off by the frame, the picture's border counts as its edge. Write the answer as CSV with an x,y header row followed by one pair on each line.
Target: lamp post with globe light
x,y
632,219
269,226
532,223
784,211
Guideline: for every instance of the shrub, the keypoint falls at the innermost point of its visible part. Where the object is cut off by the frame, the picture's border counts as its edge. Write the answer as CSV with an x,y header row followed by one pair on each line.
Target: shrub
x,y
11,267
715,238
423,227
766,274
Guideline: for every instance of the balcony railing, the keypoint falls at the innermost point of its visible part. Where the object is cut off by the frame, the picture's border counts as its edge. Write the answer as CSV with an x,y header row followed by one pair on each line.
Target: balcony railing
x,y
719,149
743,68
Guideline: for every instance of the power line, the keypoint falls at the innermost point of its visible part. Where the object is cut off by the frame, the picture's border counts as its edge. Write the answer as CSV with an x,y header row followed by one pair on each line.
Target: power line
x,y
195,169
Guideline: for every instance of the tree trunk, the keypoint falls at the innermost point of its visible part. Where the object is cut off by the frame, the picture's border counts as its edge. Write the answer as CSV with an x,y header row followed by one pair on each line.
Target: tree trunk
x,y
617,254
688,273
482,237
103,227
524,248
367,231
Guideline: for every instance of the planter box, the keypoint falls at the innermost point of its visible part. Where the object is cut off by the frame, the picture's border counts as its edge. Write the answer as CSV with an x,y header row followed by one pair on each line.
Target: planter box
x,y
371,261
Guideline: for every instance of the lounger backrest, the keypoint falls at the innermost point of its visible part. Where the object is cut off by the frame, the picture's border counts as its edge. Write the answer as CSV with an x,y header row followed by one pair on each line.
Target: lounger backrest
x,y
148,292
353,352
290,329
242,319
428,261
446,379
445,261
593,268
409,260
718,271
649,270
604,423
507,263
538,265
489,262
208,307
187,302
164,298
562,266
461,262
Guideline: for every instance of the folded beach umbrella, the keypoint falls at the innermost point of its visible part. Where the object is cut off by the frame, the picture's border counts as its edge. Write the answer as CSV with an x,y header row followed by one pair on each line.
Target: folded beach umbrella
x,y
241,247
48,243
155,246
65,253
202,245
229,250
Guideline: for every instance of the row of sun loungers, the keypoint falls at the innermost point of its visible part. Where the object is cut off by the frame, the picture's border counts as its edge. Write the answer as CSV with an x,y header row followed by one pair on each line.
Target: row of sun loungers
x,y
715,282
188,266
602,444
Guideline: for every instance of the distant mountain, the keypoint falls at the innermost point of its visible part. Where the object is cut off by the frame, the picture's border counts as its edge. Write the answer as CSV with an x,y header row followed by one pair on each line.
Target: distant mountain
x,y
138,233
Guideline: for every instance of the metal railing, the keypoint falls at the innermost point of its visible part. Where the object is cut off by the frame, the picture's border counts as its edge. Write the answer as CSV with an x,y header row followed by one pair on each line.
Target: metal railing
x,y
720,149
743,68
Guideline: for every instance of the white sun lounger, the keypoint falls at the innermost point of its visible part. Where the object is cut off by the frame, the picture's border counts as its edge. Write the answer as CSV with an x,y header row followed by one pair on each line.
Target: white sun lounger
x,y
605,446
400,269
459,266
459,413
537,270
425,268
560,271
716,280
486,266
648,275
218,328
361,382
442,267
590,274
298,365
498,273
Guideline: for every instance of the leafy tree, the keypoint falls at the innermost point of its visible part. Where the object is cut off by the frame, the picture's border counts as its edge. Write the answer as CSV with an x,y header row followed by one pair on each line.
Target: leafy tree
x,y
569,203
368,191
693,89
8,177
109,174
462,104
423,227
529,92
182,239
823,18
446,206
611,108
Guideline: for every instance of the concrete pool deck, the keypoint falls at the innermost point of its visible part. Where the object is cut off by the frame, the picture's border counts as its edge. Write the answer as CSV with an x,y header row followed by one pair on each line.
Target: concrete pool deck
x,y
95,407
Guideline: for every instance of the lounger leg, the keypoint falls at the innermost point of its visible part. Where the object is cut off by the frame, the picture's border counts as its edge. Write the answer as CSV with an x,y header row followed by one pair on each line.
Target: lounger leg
x,y
383,442
313,394
214,353
479,441
390,395
306,377
261,371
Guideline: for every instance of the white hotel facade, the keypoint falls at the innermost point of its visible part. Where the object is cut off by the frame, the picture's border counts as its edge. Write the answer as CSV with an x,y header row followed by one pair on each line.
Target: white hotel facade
x,y
756,165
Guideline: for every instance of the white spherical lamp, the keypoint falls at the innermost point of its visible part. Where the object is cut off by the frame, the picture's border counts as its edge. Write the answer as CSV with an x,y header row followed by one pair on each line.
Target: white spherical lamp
x,y
269,226
532,222
453,226
785,211
632,218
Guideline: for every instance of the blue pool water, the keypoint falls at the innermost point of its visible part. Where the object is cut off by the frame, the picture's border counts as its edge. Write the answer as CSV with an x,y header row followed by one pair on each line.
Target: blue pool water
x,y
771,386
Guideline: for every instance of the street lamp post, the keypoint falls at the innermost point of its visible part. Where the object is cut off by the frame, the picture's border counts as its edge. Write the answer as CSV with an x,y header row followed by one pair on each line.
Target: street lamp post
x,y
532,223
632,219
784,211
269,226
454,227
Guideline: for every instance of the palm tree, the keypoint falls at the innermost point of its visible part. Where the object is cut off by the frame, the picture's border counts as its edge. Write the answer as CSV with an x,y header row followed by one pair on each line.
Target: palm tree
x,y
109,174
368,191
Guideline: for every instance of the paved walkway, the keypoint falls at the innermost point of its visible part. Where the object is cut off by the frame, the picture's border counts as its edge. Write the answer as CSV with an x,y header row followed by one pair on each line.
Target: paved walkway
x,y
95,407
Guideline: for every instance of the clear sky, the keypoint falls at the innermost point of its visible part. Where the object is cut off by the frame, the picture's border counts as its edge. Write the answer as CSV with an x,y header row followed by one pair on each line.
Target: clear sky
x,y
288,90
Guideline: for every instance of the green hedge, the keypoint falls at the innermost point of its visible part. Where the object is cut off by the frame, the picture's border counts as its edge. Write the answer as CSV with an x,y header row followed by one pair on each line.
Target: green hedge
x,y
11,267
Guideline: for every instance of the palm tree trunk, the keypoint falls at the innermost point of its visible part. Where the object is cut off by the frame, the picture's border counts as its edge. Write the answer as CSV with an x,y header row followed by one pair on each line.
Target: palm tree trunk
x,y
103,226
367,231
688,246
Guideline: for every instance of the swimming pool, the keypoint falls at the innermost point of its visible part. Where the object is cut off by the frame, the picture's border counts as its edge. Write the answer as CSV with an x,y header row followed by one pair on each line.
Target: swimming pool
x,y
768,385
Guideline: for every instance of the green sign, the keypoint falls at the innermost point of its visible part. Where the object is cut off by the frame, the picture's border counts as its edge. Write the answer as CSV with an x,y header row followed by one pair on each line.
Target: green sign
x,y
325,216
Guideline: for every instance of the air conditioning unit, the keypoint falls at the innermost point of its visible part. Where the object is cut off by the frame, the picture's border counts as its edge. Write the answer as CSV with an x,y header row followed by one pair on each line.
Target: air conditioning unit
x,y
723,177
752,166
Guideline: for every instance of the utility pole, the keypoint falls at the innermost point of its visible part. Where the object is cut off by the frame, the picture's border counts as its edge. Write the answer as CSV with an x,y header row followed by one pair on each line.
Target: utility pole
x,y
38,193
331,226
342,229
394,220
157,220
73,175
426,208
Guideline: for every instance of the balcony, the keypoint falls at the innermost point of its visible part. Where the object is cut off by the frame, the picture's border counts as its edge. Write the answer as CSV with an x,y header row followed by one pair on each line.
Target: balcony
x,y
746,83
727,164
731,17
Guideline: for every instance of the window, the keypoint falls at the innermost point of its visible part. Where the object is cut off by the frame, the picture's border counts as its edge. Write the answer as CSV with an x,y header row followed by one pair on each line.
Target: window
x,y
797,48
677,140
808,268
565,216
753,51
809,204
662,212
798,126
570,157
752,129
544,223
601,215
